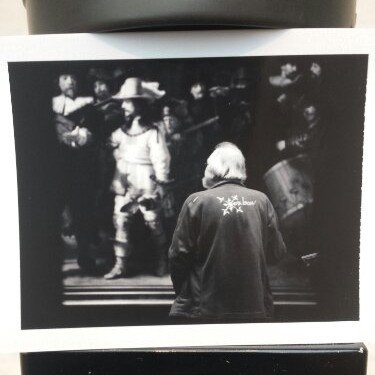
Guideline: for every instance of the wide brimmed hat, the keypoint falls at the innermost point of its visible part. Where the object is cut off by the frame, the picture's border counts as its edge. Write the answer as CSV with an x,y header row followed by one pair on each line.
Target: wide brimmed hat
x,y
135,88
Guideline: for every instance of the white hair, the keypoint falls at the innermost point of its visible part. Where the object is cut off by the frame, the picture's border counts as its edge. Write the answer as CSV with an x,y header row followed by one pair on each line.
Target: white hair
x,y
227,163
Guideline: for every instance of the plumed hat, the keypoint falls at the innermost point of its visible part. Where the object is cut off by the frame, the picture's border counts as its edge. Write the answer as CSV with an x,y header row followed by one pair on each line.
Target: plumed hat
x,y
135,88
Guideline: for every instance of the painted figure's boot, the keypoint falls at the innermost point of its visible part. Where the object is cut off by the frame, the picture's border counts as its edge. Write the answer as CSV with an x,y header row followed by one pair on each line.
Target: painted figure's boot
x,y
118,270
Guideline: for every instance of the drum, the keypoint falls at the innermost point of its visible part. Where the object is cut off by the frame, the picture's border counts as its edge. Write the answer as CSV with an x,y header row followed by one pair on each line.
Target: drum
x,y
290,189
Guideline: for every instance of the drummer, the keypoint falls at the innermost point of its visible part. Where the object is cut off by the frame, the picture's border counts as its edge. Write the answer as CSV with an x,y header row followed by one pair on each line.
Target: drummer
x,y
306,137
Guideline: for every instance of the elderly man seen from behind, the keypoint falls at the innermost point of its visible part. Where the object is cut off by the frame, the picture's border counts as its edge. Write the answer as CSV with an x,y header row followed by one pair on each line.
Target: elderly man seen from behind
x,y
223,240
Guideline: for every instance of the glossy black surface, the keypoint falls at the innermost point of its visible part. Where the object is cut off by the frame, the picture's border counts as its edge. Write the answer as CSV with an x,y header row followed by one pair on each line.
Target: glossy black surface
x,y
347,359
68,16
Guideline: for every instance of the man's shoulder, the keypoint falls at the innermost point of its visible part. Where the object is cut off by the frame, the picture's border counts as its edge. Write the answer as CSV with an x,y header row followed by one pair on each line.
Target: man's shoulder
x,y
256,193
58,103
240,188
84,99
195,197
58,98
208,193
118,131
117,134
78,99
212,194
202,198
152,129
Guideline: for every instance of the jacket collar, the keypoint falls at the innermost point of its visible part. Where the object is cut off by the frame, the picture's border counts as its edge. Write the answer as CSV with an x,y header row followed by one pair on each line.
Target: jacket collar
x,y
224,182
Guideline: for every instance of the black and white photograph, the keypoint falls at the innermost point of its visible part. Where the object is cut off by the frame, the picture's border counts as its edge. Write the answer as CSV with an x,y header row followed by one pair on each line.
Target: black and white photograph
x,y
179,191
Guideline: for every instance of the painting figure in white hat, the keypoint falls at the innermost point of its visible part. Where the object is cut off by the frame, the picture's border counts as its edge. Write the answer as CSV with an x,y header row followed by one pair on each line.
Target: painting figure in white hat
x,y
142,162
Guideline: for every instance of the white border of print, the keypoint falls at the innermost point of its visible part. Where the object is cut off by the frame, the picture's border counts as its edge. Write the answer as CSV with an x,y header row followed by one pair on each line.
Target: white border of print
x,y
170,45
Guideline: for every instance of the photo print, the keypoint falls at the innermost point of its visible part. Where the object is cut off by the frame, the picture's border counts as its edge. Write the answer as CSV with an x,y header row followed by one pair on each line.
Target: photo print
x,y
207,190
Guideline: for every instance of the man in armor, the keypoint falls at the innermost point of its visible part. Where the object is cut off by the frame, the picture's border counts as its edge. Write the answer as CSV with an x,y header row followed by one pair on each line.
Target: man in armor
x,y
142,166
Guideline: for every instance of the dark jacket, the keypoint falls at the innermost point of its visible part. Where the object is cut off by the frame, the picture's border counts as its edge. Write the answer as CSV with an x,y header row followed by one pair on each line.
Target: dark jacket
x,y
223,239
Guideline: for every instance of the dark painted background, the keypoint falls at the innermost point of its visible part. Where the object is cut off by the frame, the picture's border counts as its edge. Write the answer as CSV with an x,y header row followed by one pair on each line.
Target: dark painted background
x,y
40,183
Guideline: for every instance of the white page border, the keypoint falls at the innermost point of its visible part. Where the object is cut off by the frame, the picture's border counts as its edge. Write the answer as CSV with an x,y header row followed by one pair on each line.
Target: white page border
x,y
174,45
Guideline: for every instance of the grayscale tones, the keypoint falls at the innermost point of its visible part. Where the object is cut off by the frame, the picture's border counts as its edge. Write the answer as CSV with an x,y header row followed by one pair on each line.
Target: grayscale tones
x,y
190,190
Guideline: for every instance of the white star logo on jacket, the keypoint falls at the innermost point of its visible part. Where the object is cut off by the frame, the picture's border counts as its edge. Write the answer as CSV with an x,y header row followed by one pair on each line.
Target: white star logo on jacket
x,y
231,204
